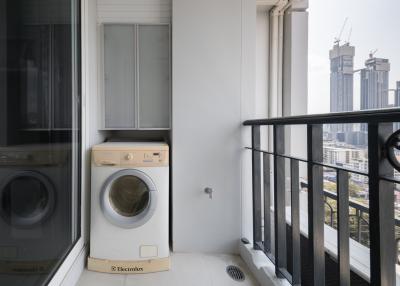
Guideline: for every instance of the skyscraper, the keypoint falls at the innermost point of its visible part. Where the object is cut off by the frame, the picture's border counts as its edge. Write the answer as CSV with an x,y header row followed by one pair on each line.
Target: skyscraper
x,y
397,95
375,83
397,103
341,85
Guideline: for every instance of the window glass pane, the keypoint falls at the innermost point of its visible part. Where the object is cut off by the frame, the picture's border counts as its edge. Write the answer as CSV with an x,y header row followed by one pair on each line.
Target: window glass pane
x,y
39,138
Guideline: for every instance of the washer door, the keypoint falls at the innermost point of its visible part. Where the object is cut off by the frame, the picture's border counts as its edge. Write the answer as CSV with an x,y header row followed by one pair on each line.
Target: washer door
x,y
27,198
128,198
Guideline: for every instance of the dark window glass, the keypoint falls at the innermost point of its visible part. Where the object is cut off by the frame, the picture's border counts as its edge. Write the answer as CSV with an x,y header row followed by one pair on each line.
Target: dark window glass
x,y
39,138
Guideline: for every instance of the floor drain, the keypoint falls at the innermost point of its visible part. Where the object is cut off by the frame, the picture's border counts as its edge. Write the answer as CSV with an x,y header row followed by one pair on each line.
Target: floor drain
x,y
235,273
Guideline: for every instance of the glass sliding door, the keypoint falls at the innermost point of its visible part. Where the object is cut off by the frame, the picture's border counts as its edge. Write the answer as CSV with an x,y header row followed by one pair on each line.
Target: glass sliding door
x,y
39,137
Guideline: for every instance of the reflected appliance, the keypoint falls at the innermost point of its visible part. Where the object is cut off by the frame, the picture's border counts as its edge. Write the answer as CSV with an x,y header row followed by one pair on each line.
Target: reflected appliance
x,y
35,215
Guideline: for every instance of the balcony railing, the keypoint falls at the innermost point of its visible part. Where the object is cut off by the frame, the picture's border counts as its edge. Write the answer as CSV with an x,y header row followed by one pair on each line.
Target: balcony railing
x,y
383,143
359,211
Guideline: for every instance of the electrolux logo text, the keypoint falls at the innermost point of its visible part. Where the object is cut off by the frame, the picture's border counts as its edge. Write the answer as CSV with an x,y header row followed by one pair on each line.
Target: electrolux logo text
x,y
126,269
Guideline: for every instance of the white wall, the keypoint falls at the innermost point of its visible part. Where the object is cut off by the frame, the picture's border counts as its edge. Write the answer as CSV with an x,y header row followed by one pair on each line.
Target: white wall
x,y
254,100
213,85
295,63
295,88
262,62
90,95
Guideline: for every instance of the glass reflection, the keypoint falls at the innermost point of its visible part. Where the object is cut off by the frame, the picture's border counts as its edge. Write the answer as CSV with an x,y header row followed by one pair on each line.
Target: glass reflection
x,y
39,138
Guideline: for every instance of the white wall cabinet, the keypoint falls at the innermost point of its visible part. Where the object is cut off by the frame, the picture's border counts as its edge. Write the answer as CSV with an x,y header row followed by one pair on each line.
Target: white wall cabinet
x,y
136,76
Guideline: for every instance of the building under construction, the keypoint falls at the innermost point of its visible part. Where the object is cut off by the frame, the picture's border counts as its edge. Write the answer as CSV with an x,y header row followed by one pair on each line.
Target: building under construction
x,y
375,83
341,81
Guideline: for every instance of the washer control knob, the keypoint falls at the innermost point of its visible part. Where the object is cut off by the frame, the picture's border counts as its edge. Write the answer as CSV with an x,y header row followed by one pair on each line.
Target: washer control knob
x,y
129,156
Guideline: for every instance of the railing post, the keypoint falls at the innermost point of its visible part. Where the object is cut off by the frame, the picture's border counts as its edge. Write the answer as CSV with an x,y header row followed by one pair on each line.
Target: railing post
x,y
381,208
358,216
267,203
316,213
256,178
343,227
279,200
295,213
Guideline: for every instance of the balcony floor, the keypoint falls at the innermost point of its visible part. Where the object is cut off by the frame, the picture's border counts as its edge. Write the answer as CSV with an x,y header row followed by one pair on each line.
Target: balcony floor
x,y
186,269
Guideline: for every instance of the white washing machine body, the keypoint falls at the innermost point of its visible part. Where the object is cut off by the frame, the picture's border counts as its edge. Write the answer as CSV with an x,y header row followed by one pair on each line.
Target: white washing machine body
x,y
130,201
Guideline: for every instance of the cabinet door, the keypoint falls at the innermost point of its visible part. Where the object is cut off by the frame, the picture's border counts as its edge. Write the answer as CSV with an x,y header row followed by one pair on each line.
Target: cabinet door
x,y
154,76
34,75
119,76
61,85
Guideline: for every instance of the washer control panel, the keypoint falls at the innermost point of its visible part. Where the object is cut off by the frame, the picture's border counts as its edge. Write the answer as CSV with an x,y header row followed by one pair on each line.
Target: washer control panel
x,y
137,158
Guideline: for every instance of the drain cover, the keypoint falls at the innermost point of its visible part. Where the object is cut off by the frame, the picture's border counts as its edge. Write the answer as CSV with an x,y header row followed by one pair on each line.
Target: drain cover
x,y
235,273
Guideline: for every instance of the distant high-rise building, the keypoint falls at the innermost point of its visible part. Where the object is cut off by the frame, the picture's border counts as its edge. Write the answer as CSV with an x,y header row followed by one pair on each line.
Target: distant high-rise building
x,y
341,88
397,95
375,83
397,103
357,138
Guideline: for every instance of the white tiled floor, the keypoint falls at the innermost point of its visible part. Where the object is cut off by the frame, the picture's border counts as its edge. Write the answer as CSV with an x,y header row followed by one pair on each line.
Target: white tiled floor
x,y
186,270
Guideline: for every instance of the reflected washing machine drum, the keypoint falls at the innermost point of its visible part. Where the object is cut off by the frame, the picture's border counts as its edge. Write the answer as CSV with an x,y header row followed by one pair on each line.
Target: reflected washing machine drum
x,y
27,199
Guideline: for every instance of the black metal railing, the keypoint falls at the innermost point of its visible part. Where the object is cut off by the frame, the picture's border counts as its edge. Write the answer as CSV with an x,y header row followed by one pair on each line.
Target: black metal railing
x,y
360,223
383,143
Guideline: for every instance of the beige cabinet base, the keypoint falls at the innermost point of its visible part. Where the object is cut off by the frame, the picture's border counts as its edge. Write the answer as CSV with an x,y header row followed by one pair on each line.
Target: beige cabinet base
x,y
128,267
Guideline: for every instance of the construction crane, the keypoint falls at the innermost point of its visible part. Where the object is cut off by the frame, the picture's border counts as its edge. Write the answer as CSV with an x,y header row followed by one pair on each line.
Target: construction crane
x,y
372,53
348,37
337,39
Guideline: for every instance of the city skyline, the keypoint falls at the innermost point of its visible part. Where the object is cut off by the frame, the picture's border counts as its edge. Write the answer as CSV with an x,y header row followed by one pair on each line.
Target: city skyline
x,y
374,92
374,82
367,35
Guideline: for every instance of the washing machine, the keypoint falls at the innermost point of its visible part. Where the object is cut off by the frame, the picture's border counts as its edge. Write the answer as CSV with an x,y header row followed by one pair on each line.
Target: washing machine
x,y
129,207
35,213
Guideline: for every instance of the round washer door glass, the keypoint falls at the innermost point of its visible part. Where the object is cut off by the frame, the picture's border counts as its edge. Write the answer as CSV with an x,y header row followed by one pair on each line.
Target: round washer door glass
x,y
27,198
129,195
129,198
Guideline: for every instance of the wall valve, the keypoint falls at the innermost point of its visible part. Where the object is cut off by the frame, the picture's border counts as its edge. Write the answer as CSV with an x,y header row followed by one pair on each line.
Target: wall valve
x,y
209,191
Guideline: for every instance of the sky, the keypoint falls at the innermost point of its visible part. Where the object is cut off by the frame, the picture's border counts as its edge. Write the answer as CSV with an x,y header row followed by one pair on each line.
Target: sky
x,y
374,25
